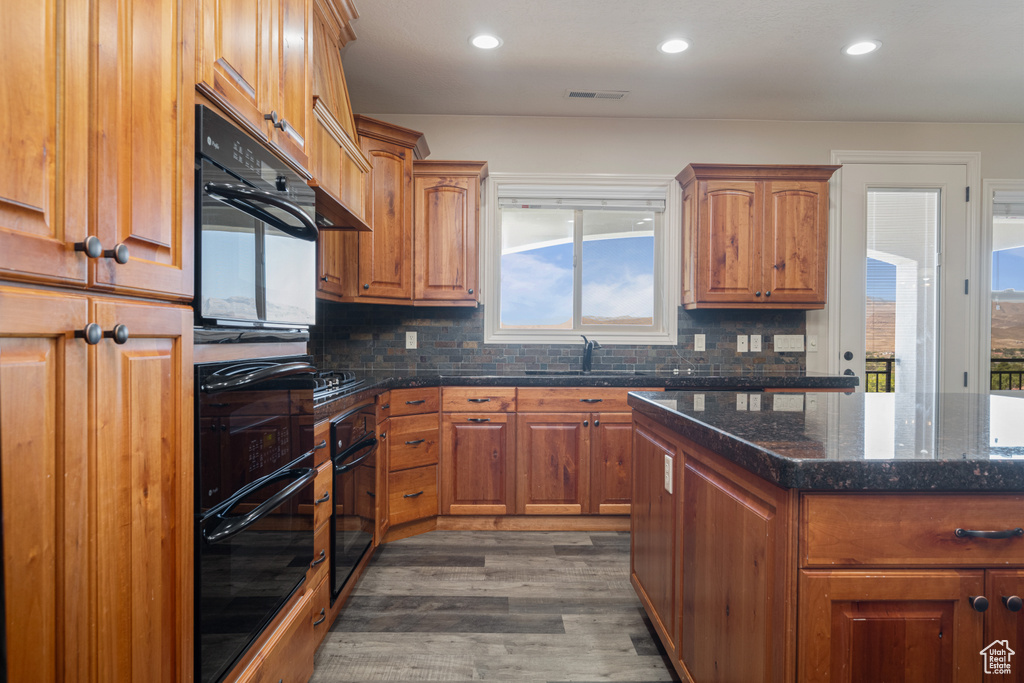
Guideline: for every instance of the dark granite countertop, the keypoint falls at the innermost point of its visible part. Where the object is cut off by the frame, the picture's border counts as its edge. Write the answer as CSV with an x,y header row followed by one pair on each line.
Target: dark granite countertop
x,y
376,382
855,441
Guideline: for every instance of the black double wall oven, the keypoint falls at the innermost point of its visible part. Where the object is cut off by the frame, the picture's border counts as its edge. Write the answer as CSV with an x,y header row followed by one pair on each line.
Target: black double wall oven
x,y
254,471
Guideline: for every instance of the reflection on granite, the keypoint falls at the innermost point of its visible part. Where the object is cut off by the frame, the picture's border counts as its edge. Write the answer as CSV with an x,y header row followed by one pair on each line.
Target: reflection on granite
x,y
855,442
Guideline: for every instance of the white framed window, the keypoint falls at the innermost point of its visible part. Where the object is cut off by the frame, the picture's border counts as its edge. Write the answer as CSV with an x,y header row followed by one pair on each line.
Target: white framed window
x,y
565,256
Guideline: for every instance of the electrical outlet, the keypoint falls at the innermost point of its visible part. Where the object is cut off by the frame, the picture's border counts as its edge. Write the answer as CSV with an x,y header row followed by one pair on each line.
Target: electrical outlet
x,y
741,401
741,343
788,403
755,402
698,401
698,342
755,343
410,340
668,473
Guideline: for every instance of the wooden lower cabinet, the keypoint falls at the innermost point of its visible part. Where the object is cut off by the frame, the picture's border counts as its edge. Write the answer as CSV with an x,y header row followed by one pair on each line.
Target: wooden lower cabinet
x,y
287,657
477,465
553,467
905,625
96,462
412,494
611,463
745,581
653,532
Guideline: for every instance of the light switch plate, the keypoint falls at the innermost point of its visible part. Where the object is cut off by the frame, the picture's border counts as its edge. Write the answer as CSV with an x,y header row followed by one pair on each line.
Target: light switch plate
x,y
788,403
755,402
698,401
741,401
410,340
741,343
668,473
755,343
698,342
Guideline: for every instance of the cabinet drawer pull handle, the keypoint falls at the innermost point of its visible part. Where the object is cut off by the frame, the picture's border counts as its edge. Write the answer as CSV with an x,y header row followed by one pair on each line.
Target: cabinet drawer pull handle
x,y
371,494
415,403
322,444
385,406
1005,533
978,602
479,419
323,556
591,400
326,497
478,400
323,617
272,117
92,246
413,443
413,495
92,334
1013,602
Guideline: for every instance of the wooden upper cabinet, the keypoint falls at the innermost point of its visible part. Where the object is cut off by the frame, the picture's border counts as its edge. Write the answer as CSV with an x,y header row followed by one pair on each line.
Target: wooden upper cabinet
x,y
446,235
385,255
755,236
143,141
252,59
43,193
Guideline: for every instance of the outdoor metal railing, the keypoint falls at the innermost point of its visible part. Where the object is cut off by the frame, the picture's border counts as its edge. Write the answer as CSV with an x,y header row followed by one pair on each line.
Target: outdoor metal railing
x,y
1009,375
878,375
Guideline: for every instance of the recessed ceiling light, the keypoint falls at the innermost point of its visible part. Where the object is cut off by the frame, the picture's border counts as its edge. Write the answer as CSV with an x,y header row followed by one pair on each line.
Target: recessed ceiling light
x,y
485,41
673,46
862,48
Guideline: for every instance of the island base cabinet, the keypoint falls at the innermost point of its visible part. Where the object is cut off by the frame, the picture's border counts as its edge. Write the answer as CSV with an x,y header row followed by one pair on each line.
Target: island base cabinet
x,y
864,626
1003,622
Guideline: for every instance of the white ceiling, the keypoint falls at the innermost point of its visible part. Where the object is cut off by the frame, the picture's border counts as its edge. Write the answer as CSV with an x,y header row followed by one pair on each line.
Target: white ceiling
x,y
940,60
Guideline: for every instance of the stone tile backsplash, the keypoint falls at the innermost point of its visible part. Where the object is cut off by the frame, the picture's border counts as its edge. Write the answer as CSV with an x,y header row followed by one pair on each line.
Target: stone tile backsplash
x,y
368,337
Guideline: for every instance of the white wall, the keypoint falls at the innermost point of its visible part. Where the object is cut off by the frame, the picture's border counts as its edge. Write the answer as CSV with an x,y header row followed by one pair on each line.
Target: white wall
x,y
521,144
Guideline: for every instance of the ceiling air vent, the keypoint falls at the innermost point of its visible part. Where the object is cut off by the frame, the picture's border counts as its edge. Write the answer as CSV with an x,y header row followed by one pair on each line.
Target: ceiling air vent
x,y
595,94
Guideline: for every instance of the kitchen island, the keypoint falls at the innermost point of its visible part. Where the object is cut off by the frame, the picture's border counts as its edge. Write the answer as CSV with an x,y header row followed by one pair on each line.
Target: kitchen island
x,y
830,537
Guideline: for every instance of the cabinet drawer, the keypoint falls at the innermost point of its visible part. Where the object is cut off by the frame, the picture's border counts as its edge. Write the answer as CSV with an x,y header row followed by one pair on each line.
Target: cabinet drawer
x,y
320,610
323,494
575,400
478,399
321,443
414,401
412,494
909,529
413,441
321,552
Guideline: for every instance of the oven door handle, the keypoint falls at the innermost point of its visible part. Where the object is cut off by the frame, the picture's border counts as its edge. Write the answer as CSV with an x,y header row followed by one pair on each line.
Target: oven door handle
x,y
340,466
247,199
238,377
231,526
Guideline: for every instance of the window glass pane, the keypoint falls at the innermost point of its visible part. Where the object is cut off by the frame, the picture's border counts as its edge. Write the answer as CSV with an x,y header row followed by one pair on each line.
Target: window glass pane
x,y
618,268
536,268
1007,369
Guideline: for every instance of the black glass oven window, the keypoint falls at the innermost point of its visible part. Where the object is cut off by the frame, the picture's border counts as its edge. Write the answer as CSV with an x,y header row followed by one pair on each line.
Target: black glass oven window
x,y
291,277
229,242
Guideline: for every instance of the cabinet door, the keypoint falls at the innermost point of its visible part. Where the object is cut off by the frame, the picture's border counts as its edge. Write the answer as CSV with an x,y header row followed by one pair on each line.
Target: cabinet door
x,y
43,462
142,488
385,255
234,58
383,461
729,242
653,530
611,463
1002,623
446,238
795,241
911,626
553,463
43,186
734,569
292,79
477,470
145,140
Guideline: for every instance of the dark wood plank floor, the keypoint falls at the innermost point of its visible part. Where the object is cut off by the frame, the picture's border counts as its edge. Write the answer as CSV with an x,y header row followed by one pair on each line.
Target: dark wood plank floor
x,y
495,605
